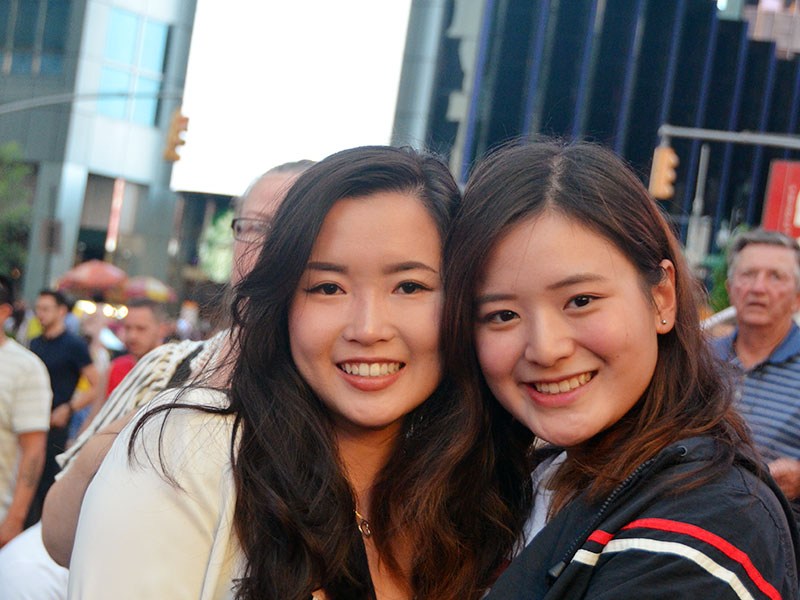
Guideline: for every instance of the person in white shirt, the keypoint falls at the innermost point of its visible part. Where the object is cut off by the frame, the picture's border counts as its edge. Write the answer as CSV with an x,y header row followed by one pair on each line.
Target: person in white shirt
x,y
25,398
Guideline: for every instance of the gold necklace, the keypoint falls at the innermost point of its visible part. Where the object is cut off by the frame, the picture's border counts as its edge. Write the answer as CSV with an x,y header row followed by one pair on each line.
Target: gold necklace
x,y
363,525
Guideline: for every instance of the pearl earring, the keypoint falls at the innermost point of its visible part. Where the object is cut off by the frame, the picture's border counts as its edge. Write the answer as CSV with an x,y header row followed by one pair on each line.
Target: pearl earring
x,y
663,321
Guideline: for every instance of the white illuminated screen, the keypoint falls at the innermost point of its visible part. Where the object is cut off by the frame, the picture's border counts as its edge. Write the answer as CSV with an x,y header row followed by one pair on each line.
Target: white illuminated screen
x,y
271,82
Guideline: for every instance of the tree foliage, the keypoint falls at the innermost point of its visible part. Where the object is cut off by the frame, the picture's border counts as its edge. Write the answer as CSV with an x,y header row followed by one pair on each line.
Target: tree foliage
x,y
215,250
15,209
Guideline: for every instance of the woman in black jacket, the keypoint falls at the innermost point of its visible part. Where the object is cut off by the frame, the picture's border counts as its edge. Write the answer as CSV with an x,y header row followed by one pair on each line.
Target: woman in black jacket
x,y
568,300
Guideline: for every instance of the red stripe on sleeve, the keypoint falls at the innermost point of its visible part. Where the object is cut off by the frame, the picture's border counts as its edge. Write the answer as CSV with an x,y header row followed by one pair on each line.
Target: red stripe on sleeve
x,y
710,538
601,537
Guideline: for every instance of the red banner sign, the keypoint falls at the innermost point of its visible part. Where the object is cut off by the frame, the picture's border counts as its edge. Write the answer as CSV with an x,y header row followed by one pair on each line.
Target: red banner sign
x,y
782,205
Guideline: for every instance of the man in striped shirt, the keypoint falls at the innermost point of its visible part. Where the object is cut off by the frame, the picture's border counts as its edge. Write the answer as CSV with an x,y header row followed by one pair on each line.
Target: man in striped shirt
x,y
764,287
25,397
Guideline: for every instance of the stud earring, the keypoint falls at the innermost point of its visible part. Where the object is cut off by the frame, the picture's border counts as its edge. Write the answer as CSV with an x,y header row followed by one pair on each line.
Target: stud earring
x,y
663,321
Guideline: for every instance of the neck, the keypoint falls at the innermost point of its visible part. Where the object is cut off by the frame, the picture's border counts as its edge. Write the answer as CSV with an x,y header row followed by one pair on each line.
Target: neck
x,y
363,456
55,330
754,343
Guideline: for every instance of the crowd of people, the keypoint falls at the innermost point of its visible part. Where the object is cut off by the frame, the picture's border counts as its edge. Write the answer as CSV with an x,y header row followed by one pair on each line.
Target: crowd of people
x,y
423,394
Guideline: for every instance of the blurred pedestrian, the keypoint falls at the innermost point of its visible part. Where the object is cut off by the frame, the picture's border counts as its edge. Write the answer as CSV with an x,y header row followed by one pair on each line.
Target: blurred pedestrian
x,y
25,397
66,357
143,330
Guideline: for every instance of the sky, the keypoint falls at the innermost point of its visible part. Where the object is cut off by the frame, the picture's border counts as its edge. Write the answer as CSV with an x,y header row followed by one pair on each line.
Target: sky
x,y
275,81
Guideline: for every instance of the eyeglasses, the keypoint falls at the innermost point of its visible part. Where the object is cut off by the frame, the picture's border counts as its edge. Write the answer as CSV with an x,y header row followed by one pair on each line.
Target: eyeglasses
x,y
250,231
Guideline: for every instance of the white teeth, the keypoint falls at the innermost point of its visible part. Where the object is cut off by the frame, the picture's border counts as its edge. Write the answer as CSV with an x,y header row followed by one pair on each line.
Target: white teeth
x,y
564,385
370,369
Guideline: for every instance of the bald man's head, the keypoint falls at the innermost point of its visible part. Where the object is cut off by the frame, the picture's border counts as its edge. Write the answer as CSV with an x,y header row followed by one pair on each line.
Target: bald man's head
x,y
257,207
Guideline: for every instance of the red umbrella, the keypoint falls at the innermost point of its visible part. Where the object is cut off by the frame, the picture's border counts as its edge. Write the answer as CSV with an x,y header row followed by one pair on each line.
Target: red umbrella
x,y
92,276
144,286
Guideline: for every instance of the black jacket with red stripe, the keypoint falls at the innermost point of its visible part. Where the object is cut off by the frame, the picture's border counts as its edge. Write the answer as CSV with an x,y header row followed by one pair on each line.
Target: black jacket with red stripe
x,y
733,537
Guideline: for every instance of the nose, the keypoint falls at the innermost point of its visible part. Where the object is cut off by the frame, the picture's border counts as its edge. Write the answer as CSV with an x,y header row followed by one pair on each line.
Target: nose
x,y
759,282
549,340
369,320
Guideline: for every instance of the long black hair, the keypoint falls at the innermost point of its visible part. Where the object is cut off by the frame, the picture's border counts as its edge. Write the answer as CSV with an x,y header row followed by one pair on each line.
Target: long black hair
x,y
294,513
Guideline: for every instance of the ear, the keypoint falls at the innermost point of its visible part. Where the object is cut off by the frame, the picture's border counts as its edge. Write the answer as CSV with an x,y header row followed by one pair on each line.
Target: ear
x,y
796,303
665,298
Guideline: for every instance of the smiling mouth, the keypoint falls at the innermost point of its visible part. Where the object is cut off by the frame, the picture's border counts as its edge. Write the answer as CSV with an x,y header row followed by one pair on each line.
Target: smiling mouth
x,y
565,385
371,369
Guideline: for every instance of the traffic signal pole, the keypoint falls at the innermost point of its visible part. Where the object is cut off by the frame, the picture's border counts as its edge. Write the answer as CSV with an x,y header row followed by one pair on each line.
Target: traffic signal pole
x,y
700,227
791,142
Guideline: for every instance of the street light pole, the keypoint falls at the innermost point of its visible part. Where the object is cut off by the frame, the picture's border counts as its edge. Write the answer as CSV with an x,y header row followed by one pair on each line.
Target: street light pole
x,y
792,142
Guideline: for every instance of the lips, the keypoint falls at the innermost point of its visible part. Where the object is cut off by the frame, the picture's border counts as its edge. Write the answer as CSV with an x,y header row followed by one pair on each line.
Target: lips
x,y
377,375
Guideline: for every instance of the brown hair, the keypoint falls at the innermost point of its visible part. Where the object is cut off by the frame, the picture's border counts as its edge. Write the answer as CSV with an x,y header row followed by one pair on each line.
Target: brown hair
x,y
687,394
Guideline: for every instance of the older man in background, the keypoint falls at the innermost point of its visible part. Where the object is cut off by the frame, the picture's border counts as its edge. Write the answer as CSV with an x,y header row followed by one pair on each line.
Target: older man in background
x,y
26,571
764,287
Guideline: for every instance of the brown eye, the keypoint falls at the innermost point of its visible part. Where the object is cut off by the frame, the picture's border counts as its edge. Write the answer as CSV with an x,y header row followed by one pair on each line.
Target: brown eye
x,y
501,316
409,287
326,289
582,300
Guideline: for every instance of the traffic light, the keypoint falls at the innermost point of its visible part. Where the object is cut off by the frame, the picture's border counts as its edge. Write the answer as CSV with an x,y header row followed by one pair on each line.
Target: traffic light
x,y
662,173
177,125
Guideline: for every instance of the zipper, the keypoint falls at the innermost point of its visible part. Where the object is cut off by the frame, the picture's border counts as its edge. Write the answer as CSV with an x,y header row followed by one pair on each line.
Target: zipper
x,y
555,571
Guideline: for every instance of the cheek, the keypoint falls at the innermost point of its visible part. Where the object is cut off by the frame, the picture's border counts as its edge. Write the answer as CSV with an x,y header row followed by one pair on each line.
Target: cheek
x,y
418,324
497,354
244,259
300,327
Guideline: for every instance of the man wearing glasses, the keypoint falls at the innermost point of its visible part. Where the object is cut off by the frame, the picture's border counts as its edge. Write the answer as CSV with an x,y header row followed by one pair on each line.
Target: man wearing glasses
x,y
253,213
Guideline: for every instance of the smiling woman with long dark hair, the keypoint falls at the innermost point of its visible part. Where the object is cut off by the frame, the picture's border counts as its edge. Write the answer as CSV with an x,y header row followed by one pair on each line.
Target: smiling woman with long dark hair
x,y
338,461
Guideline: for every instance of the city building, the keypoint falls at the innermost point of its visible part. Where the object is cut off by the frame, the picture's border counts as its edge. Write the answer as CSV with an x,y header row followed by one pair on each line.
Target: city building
x,y
479,72
89,89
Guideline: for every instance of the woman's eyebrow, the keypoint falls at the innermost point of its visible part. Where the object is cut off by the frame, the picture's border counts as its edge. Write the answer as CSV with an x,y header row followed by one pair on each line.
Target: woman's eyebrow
x,y
325,266
486,298
577,278
561,283
389,270
408,266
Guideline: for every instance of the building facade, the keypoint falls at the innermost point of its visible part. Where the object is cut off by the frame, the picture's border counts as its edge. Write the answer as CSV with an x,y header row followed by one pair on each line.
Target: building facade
x,y
88,91
480,72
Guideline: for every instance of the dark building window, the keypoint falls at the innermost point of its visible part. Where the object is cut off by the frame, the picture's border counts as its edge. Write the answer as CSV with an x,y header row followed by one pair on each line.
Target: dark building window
x,y
33,36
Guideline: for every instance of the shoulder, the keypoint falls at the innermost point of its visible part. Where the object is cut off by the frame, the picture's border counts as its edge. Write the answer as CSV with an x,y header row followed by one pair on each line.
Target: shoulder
x,y
122,364
733,527
69,338
12,350
76,346
176,431
26,363
723,346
